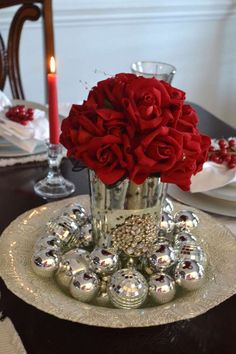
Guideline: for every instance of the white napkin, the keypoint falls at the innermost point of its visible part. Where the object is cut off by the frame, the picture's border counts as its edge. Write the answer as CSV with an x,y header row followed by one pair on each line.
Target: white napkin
x,y
4,101
26,137
211,177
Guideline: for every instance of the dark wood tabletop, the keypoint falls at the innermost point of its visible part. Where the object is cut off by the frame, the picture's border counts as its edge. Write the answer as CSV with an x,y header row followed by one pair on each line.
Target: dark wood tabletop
x,y
41,333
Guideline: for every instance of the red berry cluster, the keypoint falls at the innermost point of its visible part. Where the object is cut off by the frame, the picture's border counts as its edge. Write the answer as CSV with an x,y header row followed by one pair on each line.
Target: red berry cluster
x,y
225,153
20,114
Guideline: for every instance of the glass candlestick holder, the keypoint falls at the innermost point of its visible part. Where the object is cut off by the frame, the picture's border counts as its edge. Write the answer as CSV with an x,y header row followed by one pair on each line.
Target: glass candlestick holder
x,y
54,185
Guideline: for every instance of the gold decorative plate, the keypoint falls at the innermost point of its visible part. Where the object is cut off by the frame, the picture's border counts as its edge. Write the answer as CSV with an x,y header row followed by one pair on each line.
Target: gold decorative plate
x,y
16,245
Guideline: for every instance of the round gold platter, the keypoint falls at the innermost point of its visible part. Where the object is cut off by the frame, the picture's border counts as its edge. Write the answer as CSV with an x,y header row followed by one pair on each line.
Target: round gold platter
x,y
16,244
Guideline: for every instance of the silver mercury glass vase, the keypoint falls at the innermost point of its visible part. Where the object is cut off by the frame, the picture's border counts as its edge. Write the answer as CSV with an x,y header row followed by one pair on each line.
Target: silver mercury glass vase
x,y
127,215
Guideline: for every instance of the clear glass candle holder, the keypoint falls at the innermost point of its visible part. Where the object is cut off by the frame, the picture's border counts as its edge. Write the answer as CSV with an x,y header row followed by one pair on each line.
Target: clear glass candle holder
x,y
54,185
148,69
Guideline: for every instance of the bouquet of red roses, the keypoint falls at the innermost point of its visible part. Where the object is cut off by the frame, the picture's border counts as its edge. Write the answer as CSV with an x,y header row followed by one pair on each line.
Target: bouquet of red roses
x,y
134,127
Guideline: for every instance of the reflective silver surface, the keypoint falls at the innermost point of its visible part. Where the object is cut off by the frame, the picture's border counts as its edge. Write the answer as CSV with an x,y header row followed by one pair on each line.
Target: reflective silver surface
x,y
193,252
48,241
189,274
167,222
84,286
72,262
102,298
86,236
186,219
162,257
76,212
161,288
111,206
65,228
183,237
45,262
168,206
103,260
127,289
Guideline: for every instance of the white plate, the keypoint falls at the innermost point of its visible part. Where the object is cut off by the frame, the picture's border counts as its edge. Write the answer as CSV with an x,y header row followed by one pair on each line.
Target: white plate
x,y
225,193
202,201
4,143
13,151
8,150
16,245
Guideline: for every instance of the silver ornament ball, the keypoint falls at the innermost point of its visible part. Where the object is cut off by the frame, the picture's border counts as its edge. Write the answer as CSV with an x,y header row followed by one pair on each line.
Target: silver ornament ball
x,y
184,237
168,206
186,219
86,236
162,237
161,288
48,241
65,228
104,260
72,262
162,257
76,212
167,222
193,252
189,274
45,262
84,286
127,289
102,298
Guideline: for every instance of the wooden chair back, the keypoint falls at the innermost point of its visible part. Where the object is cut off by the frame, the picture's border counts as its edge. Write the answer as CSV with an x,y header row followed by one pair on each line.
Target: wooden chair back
x,y
9,52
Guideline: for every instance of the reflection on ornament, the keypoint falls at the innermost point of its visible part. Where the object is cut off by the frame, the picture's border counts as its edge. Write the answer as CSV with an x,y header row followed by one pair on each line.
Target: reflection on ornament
x,y
84,286
76,212
161,288
48,241
86,236
65,228
103,260
162,237
167,222
168,206
45,263
72,262
189,274
186,219
184,237
127,289
102,298
193,252
162,257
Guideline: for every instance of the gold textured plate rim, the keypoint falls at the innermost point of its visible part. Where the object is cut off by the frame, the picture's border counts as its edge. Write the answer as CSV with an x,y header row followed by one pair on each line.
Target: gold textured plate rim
x,y
16,245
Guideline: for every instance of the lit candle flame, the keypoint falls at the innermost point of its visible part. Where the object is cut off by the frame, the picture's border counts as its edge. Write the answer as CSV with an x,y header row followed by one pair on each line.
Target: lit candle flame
x,y
52,65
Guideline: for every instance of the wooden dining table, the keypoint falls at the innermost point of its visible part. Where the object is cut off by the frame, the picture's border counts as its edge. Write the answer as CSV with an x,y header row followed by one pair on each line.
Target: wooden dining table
x,y
42,333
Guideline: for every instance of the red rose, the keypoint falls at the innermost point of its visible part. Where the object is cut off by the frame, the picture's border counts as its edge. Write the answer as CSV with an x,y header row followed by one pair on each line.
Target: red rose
x,y
195,150
150,103
136,127
188,120
108,156
97,137
202,157
180,174
109,93
156,153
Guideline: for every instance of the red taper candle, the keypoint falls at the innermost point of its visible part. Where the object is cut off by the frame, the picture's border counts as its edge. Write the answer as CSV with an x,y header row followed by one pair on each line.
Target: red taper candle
x,y
54,126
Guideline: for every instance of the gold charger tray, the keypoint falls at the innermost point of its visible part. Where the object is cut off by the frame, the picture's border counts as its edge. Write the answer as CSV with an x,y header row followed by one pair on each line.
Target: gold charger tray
x,y
16,245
